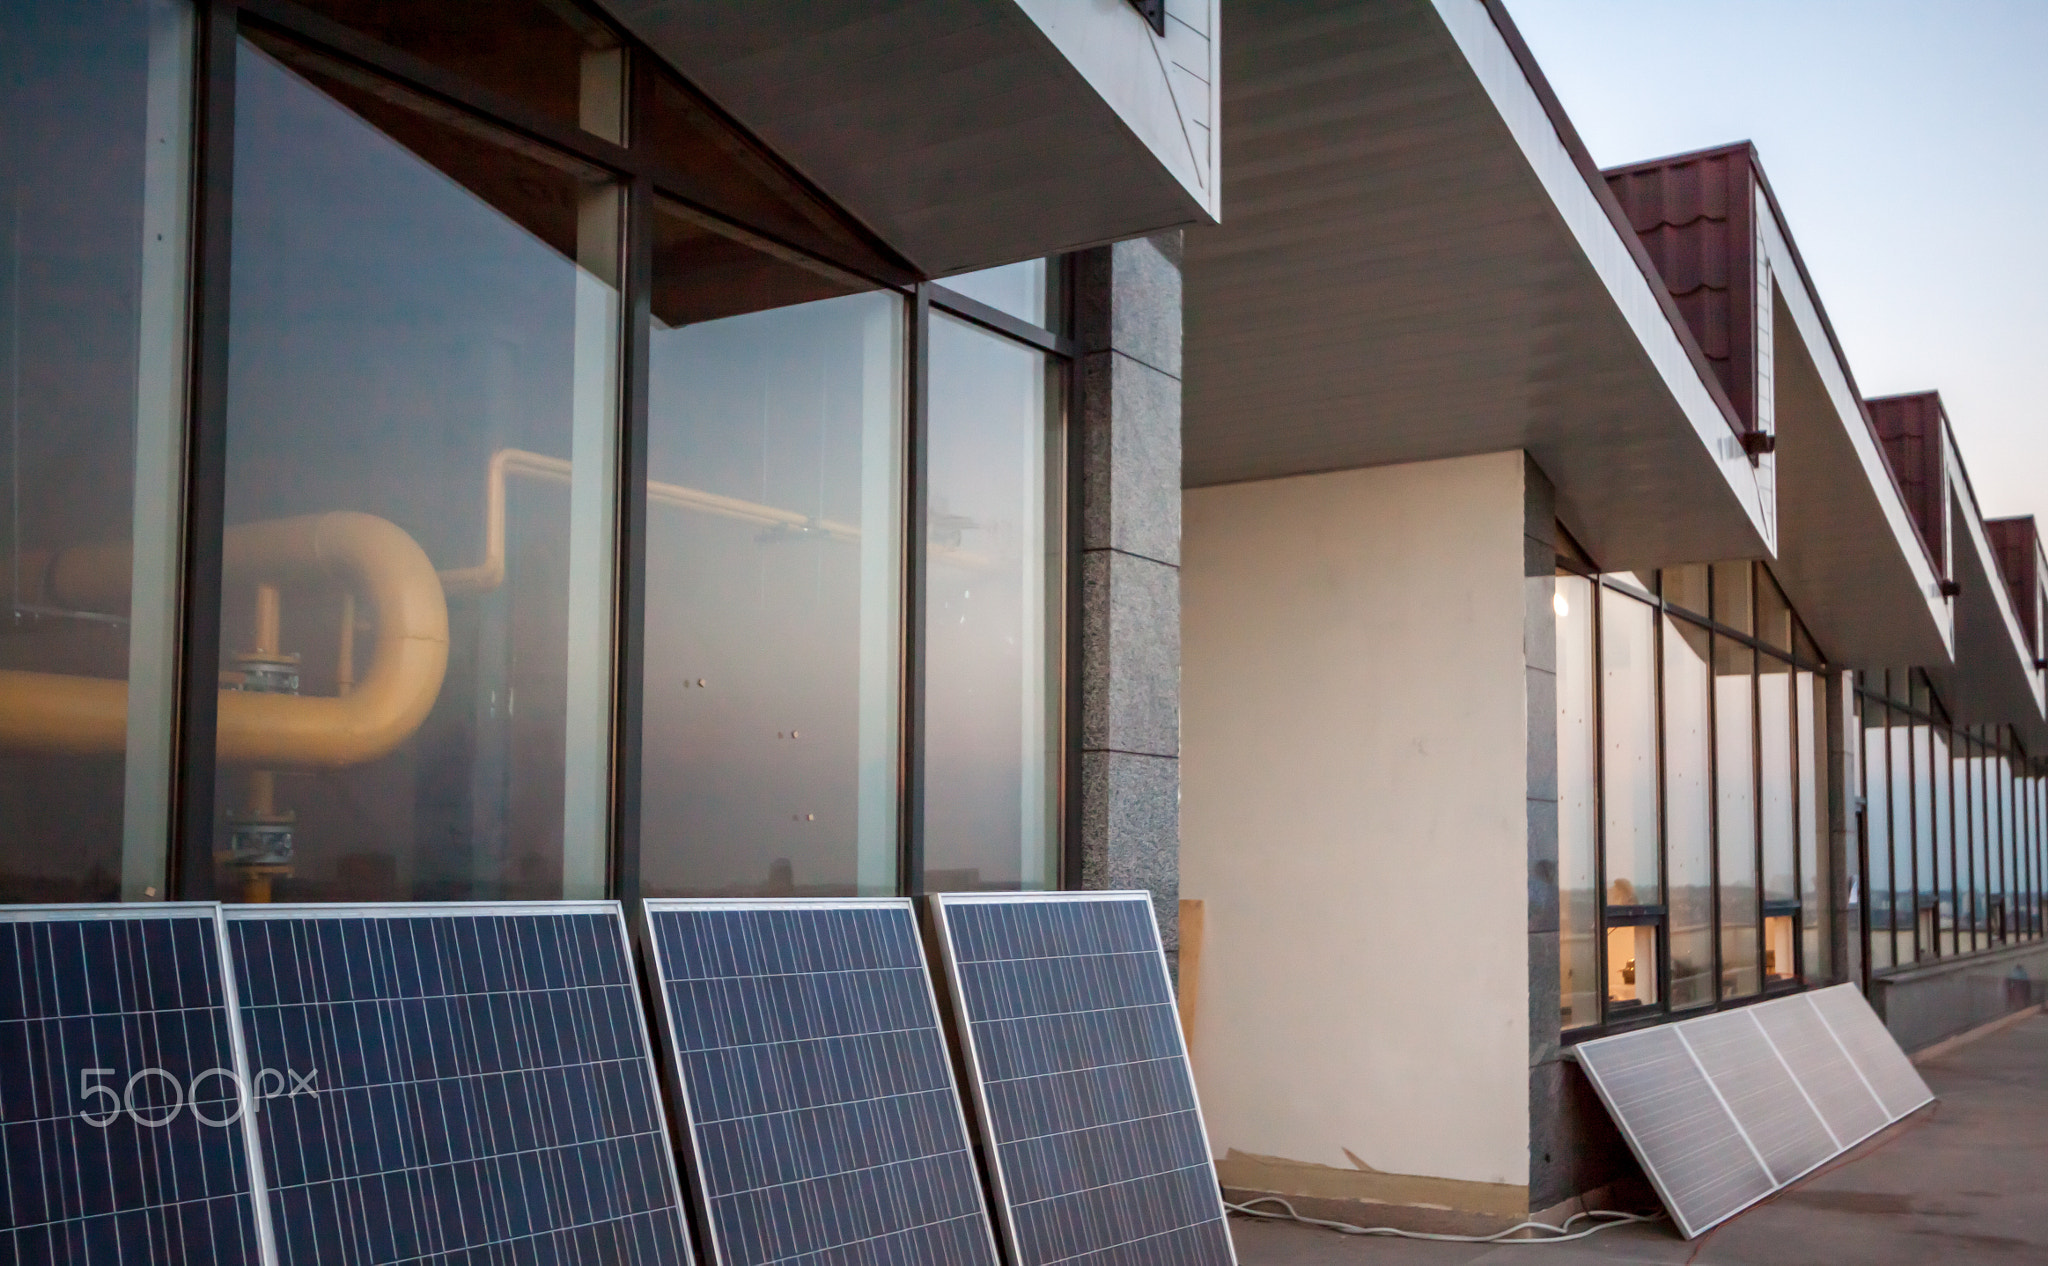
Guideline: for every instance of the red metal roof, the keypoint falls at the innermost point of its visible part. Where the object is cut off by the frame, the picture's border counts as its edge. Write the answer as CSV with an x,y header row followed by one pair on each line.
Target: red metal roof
x,y
1909,431
2017,543
1696,216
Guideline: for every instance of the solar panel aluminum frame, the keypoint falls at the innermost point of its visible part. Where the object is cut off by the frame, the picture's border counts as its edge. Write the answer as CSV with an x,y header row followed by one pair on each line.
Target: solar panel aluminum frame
x,y
984,1130
482,909
259,1187
686,1114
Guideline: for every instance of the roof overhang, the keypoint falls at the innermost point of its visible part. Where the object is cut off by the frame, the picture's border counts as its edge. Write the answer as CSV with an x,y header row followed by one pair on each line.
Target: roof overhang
x,y
1992,680
1849,557
1422,261
966,133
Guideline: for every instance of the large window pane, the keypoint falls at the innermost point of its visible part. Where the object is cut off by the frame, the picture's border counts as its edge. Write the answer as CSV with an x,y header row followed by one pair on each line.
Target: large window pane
x,y
1815,826
992,653
94,155
1689,809
1926,903
1774,753
1903,888
1577,884
1944,841
1628,713
423,379
1736,813
770,738
1980,889
1028,291
2001,845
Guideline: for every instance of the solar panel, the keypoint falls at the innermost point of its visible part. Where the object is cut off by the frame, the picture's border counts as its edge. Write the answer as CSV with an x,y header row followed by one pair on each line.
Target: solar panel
x,y
122,1135
1823,1069
455,1083
1892,1077
1726,1108
1085,1102
1678,1125
1760,1092
823,1118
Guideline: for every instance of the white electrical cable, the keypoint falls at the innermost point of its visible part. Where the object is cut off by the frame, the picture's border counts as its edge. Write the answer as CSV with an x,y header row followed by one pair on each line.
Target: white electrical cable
x,y
1604,1218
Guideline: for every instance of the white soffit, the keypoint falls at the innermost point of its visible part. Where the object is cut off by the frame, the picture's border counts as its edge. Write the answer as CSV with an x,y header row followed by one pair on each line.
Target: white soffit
x,y
1416,266
1848,555
1725,1109
967,133
1993,680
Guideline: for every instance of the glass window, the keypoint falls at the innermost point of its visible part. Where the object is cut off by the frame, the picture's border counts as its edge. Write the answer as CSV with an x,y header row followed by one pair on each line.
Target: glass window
x,y
1774,761
1903,888
1736,814
1686,588
424,351
1628,712
1877,827
549,56
1028,291
1980,888
2001,842
1944,841
1815,825
992,654
1927,906
94,153
1773,613
773,592
1689,809
1732,603
1577,885
1632,965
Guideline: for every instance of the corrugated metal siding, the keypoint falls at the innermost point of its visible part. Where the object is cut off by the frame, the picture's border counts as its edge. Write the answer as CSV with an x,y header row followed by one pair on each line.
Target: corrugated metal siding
x,y
1695,216
1909,429
2017,543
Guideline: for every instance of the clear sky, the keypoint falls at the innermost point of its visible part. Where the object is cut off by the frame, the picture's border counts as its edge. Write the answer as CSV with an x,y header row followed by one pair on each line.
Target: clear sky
x,y
1908,145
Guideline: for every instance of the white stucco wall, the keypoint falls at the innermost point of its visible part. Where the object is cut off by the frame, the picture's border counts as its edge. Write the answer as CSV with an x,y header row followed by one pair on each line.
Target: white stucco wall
x,y
1354,747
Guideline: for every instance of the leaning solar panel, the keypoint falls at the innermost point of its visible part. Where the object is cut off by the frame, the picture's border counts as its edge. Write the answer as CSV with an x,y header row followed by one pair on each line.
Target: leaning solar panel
x,y
1084,1097
455,1083
122,1136
824,1122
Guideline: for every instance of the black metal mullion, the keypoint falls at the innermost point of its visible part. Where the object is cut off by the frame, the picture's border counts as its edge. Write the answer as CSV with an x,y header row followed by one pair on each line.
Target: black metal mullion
x,y
190,873
1665,945
916,504
1001,322
1756,792
630,561
1597,617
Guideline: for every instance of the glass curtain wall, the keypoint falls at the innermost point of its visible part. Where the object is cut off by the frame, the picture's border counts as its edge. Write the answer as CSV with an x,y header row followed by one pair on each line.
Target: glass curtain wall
x,y
1953,828
555,449
1692,761
94,194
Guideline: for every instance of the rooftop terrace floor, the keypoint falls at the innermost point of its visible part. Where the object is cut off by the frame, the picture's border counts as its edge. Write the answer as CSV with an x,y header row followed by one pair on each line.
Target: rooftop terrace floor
x,y
1962,1181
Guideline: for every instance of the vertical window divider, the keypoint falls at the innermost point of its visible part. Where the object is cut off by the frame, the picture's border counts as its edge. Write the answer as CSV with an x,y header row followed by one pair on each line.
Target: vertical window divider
x,y
1597,602
1714,792
916,500
1070,806
1665,941
629,602
190,869
1761,877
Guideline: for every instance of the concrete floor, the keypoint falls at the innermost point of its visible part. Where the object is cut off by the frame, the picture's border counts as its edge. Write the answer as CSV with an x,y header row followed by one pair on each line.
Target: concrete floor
x,y
1962,1181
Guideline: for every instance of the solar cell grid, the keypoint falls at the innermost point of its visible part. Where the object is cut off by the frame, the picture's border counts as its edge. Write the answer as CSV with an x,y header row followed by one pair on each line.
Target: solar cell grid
x,y
121,1133
1086,1104
1760,1092
1891,1076
824,1121
456,1083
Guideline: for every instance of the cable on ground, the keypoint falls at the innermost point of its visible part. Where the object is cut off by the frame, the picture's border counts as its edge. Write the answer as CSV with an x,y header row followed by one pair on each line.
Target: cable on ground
x,y
1546,1233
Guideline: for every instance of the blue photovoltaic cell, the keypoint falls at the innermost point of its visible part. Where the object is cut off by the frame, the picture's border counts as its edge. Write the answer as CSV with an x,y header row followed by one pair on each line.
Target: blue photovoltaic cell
x,y
473,1084
122,992
823,1115
1087,1105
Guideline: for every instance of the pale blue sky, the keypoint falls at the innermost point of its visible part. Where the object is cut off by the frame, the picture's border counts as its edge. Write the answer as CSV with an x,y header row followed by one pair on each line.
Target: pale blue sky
x,y
1908,146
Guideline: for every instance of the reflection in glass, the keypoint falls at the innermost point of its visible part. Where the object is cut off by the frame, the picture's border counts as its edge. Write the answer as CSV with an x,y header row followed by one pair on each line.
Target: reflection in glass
x,y
1971,770
1778,947
1689,809
992,732
1944,841
1028,291
1736,814
1774,760
1578,952
1877,827
1628,713
1902,887
1686,588
549,56
94,151
1815,826
773,592
2000,777
1927,903
1632,965
1732,605
423,380
1773,613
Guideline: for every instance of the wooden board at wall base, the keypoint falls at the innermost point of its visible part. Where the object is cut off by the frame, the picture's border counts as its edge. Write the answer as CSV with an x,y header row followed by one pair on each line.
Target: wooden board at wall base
x,y
1187,987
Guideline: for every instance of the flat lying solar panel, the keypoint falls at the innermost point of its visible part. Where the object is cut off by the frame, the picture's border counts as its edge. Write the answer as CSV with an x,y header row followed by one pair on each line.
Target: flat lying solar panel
x,y
450,1083
1891,1076
1085,1101
824,1122
122,1135
1724,1109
